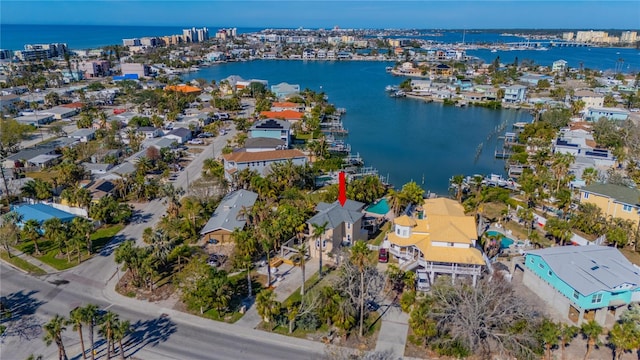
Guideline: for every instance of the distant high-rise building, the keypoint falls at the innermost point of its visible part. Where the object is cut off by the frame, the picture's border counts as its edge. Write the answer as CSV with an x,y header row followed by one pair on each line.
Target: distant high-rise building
x,y
567,36
202,34
42,51
629,37
5,54
131,42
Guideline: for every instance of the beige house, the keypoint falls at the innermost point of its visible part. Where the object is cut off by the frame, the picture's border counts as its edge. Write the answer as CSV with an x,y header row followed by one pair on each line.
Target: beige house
x,y
343,226
614,200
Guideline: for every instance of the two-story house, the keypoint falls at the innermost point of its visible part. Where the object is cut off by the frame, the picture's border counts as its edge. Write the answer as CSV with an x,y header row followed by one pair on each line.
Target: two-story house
x,y
614,200
515,94
259,161
439,238
583,282
228,216
343,226
272,128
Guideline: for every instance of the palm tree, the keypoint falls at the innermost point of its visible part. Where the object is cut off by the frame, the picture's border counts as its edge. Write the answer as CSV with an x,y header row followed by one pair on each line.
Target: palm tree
x,y
91,320
9,230
77,317
591,331
83,229
83,198
55,231
589,175
360,258
31,232
266,305
567,333
53,333
550,334
302,251
624,337
318,233
109,322
120,331
457,182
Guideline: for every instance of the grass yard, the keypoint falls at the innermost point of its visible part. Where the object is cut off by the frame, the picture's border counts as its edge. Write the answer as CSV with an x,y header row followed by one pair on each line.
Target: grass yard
x,y
631,255
43,175
22,264
51,255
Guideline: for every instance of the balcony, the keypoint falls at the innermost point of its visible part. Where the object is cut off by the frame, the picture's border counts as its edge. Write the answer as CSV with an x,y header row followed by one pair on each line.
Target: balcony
x,y
450,269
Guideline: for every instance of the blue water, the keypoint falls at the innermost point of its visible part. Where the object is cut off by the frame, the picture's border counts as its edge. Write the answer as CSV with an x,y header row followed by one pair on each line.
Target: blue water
x,y
505,242
404,139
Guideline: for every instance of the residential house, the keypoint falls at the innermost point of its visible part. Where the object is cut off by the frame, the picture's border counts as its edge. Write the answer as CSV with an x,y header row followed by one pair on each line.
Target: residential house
x,y
515,94
583,283
94,69
616,114
559,66
290,115
287,105
97,168
343,226
263,144
179,135
35,120
83,135
185,89
139,70
579,142
228,216
590,98
100,188
272,128
61,112
614,200
439,238
41,213
442,70
149,132
7,102
259,161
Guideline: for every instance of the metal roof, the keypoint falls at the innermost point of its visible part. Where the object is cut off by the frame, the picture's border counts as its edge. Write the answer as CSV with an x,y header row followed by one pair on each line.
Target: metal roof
x,y
226,214
589,269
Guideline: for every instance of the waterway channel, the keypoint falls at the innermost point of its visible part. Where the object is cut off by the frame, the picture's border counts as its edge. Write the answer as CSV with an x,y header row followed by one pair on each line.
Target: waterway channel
x,y
405,139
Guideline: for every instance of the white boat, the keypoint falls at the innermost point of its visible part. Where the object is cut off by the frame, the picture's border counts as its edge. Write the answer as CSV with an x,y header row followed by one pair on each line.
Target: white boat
x,y
494,50
391,88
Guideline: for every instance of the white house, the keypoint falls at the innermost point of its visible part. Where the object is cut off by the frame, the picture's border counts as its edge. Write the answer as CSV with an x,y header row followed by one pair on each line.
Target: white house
x,y
83,135
260,161
515,94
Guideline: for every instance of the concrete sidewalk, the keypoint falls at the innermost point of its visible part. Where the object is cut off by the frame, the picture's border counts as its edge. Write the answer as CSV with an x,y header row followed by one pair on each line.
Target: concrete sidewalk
x,y
33,261
392,337
285,282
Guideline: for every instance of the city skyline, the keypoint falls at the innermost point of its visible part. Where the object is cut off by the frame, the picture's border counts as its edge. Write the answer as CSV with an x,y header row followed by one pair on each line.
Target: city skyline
x,y
442,14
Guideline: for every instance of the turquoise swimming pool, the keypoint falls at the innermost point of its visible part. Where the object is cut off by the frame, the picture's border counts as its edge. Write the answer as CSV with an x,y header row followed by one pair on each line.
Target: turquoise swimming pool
x,y
505,242
380,208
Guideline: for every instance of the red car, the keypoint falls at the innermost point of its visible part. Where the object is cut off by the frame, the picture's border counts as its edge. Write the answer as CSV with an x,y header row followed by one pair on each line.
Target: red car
x,y
383,255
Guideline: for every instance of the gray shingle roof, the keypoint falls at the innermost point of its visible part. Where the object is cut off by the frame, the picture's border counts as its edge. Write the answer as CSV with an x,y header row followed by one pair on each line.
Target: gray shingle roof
x,y
589,269
619,193
335,215
226,214
262,142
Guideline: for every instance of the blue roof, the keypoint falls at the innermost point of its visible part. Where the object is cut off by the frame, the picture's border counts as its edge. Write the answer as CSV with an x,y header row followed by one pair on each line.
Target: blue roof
x,y
42,212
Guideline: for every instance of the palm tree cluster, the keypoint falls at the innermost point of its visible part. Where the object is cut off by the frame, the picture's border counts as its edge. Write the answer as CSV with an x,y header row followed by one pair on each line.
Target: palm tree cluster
x,y
88,317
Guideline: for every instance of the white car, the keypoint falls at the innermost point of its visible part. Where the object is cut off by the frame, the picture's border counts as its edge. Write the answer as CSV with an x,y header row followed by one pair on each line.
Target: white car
x,y
196,142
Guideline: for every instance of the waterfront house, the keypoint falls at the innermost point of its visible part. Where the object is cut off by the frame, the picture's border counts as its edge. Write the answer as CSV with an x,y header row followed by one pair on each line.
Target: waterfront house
x,y
228,216
290,115
344,226
284,90
287,105
583,283
259,161
439,238
515,94
595,113
441,70
614,200
578,141
559,66
272,128
263,144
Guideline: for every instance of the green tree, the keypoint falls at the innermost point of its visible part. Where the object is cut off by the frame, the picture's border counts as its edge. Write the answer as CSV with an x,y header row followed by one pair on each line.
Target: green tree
x,y
318,233
421,322
567,333
591,331
31,232
121,329
550,335
9,230
624,337
301,252
53,333
91,319
360,258
109,322
77,317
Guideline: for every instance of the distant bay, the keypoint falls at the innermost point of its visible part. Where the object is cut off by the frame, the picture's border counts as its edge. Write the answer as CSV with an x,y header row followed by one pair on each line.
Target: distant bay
x,y
405,139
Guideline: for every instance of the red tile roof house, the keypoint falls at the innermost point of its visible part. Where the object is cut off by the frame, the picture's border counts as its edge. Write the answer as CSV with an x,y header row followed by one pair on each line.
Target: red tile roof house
x,y
259,161
290,115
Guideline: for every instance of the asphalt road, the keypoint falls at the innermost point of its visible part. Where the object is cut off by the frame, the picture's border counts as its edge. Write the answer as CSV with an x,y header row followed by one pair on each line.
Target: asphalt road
x,y
179,336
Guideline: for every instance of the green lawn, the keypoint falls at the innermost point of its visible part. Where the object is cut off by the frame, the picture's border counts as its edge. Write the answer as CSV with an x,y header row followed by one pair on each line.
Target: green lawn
x,y
22,264
50,254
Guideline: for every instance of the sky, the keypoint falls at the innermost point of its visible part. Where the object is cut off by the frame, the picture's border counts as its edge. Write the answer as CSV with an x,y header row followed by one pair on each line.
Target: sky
x,y
424,14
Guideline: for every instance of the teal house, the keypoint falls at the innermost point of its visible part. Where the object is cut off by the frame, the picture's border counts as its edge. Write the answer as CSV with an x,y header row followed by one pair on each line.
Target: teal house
x,y
583,282
272,128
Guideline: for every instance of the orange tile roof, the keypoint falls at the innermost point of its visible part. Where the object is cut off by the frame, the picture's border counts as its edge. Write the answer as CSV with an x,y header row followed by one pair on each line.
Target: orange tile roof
x,y
75,105
286,104
286,114
245,156
183,88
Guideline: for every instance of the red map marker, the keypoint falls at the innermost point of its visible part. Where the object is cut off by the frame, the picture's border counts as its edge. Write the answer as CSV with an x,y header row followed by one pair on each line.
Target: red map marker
x,y
342,189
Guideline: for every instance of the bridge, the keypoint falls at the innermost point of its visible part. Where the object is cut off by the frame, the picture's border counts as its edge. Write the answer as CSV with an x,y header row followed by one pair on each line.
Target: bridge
x,y
544,44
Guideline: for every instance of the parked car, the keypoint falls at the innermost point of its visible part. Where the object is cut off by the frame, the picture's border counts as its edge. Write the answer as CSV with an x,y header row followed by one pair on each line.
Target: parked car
x,y
196,142
383,255
205,135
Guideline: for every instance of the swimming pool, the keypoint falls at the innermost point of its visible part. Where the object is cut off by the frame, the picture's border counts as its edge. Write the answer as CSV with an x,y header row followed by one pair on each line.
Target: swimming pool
x,y
380,208
505,242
